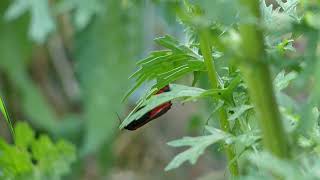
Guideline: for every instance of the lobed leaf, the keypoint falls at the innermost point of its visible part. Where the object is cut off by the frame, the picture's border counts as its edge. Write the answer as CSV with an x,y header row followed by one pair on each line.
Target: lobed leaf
x,y
166,66
31,158
198,146
238,111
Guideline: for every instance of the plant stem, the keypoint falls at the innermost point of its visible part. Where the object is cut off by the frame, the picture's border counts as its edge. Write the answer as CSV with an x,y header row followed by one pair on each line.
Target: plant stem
x,y
257,76
206,50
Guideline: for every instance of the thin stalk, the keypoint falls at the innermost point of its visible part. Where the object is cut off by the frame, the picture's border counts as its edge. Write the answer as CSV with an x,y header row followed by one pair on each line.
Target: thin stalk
x,y
206,50
257,76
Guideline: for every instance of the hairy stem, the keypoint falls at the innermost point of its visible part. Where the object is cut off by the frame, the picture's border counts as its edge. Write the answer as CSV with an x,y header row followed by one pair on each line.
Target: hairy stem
x,y
257,76
206,50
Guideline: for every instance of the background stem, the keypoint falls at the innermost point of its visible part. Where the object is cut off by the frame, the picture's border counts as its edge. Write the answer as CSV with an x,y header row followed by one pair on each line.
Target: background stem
x,y
206,50
257,76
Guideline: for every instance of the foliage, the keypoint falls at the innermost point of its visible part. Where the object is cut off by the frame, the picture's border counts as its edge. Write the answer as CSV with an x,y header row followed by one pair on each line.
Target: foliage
x,y
97,39
102,67
5,113
40,17
285,25
198,146
230,43
35,158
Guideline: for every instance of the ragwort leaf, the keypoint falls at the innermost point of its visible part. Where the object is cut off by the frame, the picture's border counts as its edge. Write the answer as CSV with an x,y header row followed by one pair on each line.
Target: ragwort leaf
x,y
198,146
166,66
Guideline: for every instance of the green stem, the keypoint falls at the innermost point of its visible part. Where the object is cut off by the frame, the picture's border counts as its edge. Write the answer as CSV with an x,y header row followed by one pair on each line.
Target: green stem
x,y
206,50
257,76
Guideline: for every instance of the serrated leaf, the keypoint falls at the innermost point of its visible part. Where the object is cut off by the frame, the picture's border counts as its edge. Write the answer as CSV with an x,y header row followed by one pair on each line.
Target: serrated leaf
x,y
198,146
238,111
216,93
289,7
279,20
166,66
177,91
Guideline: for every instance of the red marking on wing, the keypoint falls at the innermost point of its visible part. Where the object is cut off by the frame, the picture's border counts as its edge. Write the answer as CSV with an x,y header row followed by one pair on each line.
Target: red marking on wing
x,y
151,115
160,110
164,89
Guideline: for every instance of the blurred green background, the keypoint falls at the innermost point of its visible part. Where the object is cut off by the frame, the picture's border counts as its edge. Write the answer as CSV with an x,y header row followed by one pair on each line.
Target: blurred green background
x,y
64,68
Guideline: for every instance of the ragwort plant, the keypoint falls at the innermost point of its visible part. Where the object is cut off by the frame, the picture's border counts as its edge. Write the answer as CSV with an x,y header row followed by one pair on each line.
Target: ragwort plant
x,y
268,118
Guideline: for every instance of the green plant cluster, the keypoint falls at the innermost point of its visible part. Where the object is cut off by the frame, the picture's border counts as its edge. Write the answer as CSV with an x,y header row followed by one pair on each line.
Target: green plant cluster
x,y
35,158
250,53
32,157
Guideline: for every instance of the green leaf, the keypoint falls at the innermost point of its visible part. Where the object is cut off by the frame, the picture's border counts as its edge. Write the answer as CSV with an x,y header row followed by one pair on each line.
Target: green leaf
x,y
198,146
289,7
282,80
5,113
280,19
196,76
31,158
215,11
177,91
83,10
53,159
42,22
238,111
270,164
166,66
24,135
14,162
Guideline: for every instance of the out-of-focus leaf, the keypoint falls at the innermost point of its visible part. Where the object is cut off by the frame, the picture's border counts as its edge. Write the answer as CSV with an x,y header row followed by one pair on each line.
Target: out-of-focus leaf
x,y
198,146
195,77
13,36
281,168
83,10
282,80
41,23
53,159
24,135
177,91
5,113
289,7
35,159
214,11
290,119
105,53
280,18
312,19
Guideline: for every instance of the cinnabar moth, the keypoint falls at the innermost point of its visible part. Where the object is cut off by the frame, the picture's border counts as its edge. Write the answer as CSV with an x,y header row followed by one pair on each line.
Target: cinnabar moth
x,y
151,115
